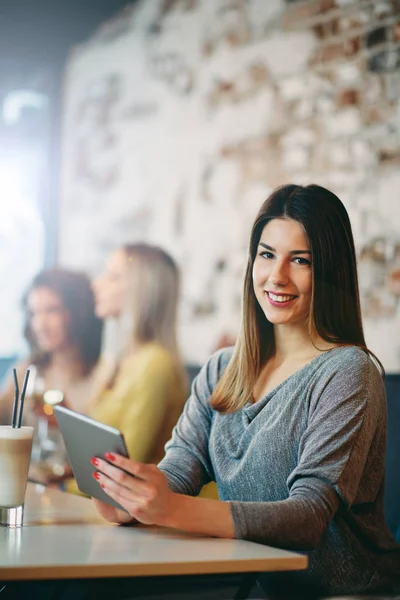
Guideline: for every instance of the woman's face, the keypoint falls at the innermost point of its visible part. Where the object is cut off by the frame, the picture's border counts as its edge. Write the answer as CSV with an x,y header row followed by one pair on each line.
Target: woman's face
x,y
110,288
48,319
282,272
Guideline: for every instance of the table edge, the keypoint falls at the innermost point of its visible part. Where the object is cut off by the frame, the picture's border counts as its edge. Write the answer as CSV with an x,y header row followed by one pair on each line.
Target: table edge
x,y
38,572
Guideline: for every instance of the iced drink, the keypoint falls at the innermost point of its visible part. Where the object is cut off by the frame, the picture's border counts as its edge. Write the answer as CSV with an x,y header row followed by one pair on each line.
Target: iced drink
x,y
15,456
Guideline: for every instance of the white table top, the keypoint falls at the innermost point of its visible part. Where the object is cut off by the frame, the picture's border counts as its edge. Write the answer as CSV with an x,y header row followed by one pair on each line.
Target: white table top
x,y
64,537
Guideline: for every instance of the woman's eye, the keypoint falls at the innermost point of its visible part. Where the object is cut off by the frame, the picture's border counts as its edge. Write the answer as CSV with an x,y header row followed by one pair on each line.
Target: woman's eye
x,y
302,261
266,254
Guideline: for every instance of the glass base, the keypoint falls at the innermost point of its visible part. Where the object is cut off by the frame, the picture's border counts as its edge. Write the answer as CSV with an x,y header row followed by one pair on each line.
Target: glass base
x,y
12,517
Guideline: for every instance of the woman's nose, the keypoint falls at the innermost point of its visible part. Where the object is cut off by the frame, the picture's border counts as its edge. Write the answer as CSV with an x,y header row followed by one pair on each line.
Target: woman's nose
x,y
279,275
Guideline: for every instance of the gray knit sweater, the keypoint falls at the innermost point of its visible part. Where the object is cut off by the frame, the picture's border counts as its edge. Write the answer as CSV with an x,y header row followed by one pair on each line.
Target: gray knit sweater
x,y
303,468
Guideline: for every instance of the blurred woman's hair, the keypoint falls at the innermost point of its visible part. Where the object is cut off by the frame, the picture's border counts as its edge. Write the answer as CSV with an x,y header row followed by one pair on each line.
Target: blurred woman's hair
x,y
152,296
84,328
335,313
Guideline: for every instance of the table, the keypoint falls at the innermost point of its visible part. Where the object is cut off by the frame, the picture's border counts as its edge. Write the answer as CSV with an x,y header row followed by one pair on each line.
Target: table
x,y
65,538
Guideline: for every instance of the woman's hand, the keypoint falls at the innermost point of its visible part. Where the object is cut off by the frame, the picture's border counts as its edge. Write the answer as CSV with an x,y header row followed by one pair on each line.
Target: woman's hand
x,y
111,513
141,489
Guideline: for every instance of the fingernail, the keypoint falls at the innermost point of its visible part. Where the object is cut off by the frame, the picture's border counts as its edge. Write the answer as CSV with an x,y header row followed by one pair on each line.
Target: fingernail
x,y
103,486
110,456
96,475
95,461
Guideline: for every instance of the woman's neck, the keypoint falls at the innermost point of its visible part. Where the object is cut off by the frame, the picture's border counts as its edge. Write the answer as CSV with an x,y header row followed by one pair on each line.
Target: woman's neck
x,y
294,343
67,360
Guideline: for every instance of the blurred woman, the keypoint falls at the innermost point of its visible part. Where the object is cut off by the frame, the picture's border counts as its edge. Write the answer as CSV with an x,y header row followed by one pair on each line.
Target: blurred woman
x,y
64,338
138,296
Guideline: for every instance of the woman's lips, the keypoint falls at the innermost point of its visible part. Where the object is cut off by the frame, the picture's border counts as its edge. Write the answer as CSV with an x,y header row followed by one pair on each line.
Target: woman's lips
x,y
283,301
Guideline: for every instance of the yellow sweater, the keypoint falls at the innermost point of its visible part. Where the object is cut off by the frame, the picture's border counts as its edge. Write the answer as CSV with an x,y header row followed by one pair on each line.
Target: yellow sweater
x,y
145,402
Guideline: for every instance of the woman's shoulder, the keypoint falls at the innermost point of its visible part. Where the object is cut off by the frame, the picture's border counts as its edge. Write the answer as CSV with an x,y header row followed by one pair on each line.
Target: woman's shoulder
x,y
351,358
214,367
146,351
221,358
150,356
352,366
21,366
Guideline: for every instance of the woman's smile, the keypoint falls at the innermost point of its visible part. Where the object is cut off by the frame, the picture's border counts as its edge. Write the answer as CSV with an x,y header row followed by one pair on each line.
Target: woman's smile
x,y
280,300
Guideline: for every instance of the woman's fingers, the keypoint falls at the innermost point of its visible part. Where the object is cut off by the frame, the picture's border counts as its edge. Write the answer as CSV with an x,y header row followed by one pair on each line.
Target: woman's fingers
x,y
116,491
140,470
135,505
121,482
140,489
121,477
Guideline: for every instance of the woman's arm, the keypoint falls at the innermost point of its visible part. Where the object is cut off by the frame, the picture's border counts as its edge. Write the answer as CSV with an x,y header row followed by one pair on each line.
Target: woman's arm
x,y
143,491
6,402
187,463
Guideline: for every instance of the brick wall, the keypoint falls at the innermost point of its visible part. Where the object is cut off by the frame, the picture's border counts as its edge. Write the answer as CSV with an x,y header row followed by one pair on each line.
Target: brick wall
x,y
181,116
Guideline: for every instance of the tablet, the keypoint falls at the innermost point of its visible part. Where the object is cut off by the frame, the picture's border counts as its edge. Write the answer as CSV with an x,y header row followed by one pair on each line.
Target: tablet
x,y
84,438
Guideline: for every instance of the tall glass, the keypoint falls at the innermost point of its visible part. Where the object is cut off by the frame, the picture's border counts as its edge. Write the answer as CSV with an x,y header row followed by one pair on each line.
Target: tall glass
x,y
15,456
49,459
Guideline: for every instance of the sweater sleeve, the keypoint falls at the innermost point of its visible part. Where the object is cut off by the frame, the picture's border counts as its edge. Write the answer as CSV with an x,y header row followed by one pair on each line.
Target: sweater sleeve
x,y
187,463
343,419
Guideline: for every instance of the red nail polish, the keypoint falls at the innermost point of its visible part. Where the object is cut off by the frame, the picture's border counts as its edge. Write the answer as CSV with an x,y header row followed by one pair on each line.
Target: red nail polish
x,y
96,475
110,456
103,486
94,461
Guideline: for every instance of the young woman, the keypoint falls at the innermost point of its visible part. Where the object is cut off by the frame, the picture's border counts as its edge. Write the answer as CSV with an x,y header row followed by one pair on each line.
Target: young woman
x,y
291,423
138,295
64,339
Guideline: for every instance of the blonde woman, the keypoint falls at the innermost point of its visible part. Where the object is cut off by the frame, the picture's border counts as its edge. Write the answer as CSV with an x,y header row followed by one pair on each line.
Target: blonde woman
x,y
137,294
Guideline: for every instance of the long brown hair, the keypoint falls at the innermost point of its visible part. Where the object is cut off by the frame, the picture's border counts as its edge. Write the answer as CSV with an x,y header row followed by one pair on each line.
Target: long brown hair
x,y
335,313
84,329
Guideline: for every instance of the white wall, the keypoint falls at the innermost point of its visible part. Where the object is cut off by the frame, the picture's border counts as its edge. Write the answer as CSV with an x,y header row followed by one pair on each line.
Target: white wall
x,y
178,124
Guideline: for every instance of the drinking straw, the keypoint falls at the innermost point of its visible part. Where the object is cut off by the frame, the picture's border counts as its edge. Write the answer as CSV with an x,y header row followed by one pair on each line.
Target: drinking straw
x,y
16,398
21,403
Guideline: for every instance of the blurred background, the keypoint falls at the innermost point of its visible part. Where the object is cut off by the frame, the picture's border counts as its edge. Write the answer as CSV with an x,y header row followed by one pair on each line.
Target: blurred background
x,y
170,121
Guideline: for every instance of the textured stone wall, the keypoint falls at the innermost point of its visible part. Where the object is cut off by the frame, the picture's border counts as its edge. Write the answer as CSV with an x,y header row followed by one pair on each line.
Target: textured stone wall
x,y
181,116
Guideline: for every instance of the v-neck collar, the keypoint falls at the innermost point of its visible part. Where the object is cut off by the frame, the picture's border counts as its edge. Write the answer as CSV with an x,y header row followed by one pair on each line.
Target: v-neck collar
x,y
252,410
